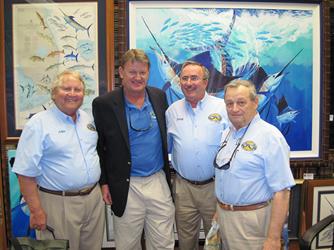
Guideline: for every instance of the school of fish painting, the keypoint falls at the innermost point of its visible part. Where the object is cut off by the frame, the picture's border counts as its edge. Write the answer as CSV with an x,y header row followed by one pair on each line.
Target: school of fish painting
x,y
274,48
49,38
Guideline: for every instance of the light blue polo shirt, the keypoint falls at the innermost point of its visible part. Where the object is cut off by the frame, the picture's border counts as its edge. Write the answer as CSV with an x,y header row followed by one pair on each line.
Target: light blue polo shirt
x,y
194,136
59,152
144,138
259,168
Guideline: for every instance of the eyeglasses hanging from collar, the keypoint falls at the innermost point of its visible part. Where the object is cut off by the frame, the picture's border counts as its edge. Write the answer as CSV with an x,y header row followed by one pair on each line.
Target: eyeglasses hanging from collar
x,y
140,121
217,162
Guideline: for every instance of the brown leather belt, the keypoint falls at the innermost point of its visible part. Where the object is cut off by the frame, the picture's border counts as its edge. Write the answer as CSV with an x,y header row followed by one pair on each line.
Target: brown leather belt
x,y
198,182
81,192
243,208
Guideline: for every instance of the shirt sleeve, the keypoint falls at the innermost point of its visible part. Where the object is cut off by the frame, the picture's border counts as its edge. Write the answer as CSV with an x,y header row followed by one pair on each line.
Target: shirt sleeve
x,y
29,152
277,164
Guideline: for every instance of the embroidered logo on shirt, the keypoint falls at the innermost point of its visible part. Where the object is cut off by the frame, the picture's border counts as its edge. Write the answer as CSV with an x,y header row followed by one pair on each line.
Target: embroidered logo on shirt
x,y
215,117
179,118
249,146
91,127
61,131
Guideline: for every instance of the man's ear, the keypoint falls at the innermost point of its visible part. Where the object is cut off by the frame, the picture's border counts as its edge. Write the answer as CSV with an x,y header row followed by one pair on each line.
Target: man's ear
x,y
121,72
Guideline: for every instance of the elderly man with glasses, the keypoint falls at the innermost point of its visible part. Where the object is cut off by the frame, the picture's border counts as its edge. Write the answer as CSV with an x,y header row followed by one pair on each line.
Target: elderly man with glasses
x,y
253,175
194,127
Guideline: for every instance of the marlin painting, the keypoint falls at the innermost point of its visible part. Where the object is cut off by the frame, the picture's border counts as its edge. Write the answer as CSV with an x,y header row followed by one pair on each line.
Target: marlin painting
x,y
74,24
286,115
272,82
270,85
217,80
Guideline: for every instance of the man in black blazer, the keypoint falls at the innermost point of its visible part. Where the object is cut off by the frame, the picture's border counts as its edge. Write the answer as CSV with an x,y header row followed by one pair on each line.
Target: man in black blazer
x,y
132,146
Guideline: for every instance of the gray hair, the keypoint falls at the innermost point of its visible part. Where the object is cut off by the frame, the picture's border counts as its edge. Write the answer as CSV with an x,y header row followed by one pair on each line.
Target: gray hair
x,y
60,80
204,69
246,83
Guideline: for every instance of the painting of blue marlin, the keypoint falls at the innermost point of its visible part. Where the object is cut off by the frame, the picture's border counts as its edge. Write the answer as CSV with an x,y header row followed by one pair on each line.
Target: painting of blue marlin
x,y
217,80
270,85
241,43
171,79
273,81
74,24
286,115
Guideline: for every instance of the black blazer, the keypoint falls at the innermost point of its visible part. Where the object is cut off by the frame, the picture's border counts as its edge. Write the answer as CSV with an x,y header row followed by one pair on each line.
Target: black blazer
x,y
113,144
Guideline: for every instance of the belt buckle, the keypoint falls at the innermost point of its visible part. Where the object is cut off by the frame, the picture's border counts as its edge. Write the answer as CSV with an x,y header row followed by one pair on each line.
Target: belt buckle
x,y
84,191
231,207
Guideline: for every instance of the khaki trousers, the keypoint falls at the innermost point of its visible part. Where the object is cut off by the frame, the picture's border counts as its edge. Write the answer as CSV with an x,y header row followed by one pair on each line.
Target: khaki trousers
x,y
80,219
149,208
240,230
193,203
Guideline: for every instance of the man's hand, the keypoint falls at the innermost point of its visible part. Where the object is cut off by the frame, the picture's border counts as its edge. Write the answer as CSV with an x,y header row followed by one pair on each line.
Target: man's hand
x,y
30,193
271,244
106,194
38,219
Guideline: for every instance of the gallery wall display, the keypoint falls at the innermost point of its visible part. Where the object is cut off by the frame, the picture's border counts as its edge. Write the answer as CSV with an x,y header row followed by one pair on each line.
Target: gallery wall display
x,y
39,39
44,39
276,45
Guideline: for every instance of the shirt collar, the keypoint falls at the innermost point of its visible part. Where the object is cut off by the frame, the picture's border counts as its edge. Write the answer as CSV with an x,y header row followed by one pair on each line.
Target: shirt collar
x,y
201,104
64,116
241,130
129,105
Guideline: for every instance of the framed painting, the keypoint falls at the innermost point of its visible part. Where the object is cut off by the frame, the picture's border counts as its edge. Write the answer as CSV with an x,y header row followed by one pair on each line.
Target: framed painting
x,y
44,39
276,45
294,210
320,204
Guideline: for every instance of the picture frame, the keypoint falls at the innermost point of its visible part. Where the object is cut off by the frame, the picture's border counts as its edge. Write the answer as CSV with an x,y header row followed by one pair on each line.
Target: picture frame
x,y
91,30
160,28
319,203
294,210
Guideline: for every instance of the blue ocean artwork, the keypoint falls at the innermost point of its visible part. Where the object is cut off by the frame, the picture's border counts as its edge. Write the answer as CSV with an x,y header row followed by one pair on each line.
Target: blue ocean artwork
x,y
20,214
272,48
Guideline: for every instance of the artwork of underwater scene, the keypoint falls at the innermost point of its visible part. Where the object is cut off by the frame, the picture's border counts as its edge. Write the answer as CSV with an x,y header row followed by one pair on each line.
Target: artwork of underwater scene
x,y
276,48
49,38
20,214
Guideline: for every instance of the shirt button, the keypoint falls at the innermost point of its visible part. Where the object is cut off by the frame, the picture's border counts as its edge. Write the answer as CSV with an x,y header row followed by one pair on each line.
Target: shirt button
x,y
129,162
127,180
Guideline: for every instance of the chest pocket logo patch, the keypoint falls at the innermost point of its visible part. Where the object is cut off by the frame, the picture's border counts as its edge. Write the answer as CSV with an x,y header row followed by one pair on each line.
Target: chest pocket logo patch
x,y
249,146
215,117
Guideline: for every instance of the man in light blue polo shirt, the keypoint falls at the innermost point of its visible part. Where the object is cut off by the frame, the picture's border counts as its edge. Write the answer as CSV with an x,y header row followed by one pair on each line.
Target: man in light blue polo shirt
x,y
253,176
58,168
194,127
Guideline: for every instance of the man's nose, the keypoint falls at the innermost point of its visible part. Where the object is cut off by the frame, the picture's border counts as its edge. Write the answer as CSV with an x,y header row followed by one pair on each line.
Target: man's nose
x,y
235,106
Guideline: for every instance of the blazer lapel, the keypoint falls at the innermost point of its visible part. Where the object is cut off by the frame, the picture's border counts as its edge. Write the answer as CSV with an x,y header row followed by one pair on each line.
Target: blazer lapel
x,y
157,107
119,108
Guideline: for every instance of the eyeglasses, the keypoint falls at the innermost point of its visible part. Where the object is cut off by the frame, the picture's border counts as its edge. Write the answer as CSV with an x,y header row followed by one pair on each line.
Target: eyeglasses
x,y
140,121
219,155
193,78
